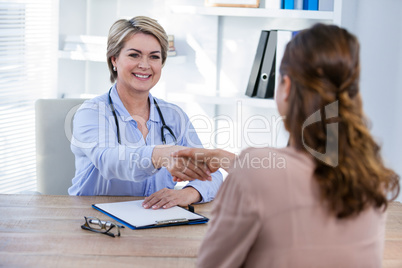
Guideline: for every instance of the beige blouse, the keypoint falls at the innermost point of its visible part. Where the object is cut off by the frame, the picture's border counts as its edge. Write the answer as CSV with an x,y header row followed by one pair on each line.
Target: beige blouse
x,y
268,214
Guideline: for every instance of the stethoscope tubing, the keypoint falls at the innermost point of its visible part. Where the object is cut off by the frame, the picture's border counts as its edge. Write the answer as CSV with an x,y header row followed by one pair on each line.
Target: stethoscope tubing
x,y
163,128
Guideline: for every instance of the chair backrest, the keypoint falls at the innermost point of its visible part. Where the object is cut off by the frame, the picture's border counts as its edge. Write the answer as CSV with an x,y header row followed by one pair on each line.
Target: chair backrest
x,y
55,165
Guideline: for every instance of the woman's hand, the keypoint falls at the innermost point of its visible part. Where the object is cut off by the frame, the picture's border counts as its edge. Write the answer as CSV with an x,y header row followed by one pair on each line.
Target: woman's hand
x,y
167,198
213,159
184,168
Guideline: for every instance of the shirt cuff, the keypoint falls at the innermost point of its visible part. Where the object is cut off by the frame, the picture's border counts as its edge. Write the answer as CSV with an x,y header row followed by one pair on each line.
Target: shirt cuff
x,y
203,192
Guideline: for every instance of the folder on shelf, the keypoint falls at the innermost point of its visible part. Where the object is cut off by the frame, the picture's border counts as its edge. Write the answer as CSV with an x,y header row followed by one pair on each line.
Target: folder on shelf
x,y
288,4
134,216
310,5
265,70
266,81
251,90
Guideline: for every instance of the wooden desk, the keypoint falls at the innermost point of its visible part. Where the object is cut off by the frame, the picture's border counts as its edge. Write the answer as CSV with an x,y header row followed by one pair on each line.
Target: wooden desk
x,y
44,231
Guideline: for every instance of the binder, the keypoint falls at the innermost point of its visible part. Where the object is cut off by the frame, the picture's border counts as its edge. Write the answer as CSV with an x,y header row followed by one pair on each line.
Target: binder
x,y
310,5
288,4
266,82
134,216
251,90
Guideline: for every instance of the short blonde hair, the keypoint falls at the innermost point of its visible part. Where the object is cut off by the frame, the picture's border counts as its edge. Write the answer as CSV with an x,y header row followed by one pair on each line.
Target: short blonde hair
x,y
123,29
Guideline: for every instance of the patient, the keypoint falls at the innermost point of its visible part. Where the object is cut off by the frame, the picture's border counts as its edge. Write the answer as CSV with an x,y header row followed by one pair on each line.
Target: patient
x,y
323,204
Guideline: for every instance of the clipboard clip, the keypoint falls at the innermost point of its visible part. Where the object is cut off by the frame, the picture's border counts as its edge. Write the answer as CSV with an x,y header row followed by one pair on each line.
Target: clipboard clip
x,y
191,208
172,221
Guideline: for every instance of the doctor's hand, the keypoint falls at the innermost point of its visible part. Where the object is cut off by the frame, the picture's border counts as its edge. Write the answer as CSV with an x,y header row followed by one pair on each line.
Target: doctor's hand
x,y
167,198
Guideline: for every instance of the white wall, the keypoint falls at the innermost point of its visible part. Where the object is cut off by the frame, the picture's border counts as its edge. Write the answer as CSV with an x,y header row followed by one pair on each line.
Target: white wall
x,y
378,25
95,17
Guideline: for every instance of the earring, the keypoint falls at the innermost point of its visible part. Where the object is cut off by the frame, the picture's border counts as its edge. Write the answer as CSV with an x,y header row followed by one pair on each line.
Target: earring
x,y
114,68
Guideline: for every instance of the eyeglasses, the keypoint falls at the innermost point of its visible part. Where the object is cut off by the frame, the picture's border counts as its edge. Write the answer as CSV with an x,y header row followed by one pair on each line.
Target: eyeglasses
x,y
102,227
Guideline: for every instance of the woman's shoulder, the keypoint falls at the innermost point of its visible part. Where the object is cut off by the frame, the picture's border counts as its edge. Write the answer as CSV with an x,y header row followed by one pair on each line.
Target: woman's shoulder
x,y
103,98
272,174
95,106
95,101
271,165
270,157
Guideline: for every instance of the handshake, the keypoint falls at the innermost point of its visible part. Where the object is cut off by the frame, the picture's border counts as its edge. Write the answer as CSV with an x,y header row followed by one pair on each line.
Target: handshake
x,y
187,164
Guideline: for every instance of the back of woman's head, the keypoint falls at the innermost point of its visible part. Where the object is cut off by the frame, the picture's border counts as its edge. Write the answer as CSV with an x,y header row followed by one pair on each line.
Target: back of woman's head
x,y
123,29
325,118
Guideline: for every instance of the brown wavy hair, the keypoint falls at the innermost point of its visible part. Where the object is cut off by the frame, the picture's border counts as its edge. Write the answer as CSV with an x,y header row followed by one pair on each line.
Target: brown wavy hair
x,y
323,65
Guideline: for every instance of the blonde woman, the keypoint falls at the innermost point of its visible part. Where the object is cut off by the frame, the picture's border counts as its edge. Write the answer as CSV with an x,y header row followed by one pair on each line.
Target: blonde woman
x,y
123,139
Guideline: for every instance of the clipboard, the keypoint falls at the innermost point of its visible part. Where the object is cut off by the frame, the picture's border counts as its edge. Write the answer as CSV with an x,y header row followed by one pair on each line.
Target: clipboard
x,y
134,216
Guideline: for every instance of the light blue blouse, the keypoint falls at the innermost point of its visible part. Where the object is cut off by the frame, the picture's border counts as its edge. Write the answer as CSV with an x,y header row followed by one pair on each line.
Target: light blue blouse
x,y
104,167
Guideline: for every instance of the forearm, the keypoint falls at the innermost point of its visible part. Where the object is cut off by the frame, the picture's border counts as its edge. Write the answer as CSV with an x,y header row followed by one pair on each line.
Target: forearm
x,y
132,164
226,159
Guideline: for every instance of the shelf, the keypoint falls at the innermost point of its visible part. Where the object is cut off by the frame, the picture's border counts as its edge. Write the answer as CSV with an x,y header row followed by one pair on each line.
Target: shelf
x,y
202,99
281,19
80,55
283,15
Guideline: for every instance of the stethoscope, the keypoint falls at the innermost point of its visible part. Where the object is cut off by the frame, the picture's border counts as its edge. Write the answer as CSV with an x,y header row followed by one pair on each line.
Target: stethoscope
x,y
163,128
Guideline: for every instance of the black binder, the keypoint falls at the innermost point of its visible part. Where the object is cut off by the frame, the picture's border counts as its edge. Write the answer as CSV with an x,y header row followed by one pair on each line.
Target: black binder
x,y
255,70
266,82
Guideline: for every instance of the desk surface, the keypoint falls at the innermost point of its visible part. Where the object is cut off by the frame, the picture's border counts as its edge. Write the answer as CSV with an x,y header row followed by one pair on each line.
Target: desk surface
x,y
45,231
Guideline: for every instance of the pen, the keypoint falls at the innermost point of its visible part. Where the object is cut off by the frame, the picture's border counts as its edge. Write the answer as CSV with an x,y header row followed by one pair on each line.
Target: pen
x,y
104,223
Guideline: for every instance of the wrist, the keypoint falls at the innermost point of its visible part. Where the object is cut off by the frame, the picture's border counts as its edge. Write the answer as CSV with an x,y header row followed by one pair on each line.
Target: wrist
x,y
226,159
193,195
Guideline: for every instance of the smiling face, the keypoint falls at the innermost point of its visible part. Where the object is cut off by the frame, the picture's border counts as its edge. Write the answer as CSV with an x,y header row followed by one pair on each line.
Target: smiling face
x,y
139,64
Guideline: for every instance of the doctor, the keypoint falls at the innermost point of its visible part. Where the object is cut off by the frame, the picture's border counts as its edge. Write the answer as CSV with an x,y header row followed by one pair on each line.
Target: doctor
x,y
123,139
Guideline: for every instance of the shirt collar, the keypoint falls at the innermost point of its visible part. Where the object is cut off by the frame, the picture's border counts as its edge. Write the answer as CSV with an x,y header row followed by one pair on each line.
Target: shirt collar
x,y
122,111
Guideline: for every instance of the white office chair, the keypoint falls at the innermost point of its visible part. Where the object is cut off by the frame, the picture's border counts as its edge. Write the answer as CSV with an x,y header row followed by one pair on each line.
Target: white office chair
x,y
55,165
